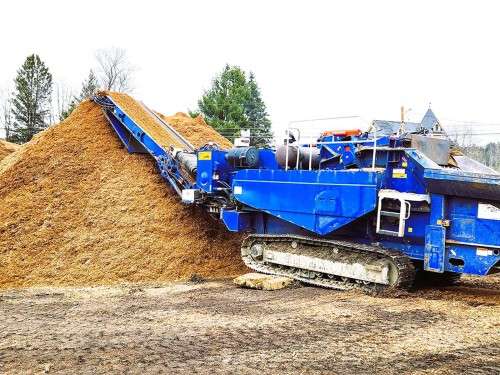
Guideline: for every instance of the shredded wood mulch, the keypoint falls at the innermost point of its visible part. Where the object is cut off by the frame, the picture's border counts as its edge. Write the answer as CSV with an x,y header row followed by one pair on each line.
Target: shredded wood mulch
x,y
77,209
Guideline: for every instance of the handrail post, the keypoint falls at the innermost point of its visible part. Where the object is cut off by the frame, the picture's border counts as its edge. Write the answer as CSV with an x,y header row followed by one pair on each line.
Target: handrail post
x,y
298,149
287,141
374,145
310,156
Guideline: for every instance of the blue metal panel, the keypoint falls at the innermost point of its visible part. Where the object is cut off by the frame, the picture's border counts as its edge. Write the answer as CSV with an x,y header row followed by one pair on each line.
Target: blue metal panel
x,y
435,236
421,160
237,221
463,184
140,135
434,248
414,164
274,225
404,175
320,201
205,171
472,263
475,260
267,159
467,227
415,226
131,144
213,171
463,228
487,232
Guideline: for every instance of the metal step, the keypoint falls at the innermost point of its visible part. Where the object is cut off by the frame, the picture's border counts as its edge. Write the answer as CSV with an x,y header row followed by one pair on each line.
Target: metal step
x,y
388,232
389,213
404,212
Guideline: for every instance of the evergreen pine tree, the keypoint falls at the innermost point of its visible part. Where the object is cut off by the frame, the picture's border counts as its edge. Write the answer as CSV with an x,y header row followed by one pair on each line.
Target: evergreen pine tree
x,y
89,88
32,100
223,106
258,120
491,155
67,111
234,103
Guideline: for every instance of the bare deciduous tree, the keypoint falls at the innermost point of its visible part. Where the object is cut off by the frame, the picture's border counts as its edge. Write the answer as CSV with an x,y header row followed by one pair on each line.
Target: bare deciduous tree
x,y
5,113
466,138
462,135
63,98
114,70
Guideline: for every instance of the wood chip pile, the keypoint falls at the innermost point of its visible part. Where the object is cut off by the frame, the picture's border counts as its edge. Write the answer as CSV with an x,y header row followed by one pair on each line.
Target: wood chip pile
x,y
77,209
6,148
197,131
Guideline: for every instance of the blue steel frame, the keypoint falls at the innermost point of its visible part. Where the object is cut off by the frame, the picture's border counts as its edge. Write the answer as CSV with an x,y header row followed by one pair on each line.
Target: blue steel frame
x,y
319,201
447,237
136,140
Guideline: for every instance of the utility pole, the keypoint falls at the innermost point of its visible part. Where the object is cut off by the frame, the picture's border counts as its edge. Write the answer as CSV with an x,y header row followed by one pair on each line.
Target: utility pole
x,y
402,126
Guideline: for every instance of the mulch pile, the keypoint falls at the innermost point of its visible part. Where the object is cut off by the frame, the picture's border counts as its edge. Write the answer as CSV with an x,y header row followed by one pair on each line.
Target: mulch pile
x,y
77,209
6,148
197,131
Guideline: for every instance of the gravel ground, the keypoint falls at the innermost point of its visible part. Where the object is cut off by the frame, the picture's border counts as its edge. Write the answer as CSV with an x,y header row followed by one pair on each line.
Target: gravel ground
x,y
214,327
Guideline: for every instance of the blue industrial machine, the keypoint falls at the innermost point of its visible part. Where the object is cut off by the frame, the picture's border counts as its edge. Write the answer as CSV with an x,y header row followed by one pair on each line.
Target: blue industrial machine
x,y
353,210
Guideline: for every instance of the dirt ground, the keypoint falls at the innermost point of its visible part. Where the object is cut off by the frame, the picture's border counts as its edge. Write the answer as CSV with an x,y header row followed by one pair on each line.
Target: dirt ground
x,y
215,327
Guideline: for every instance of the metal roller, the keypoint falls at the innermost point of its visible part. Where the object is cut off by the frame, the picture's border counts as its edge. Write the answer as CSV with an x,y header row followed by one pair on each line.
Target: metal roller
x,y
188,161
243,157
304,154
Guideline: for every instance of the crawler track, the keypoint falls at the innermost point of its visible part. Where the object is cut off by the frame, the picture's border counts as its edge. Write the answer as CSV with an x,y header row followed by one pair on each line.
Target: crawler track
x,y
401,263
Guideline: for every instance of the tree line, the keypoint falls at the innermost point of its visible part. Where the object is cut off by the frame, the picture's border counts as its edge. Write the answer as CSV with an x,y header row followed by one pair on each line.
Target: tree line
x,y
29,108
488,155
232,103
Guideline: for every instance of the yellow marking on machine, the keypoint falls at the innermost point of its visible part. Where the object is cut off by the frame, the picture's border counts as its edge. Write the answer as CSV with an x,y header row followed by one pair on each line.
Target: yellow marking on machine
x,y
399,173
205,155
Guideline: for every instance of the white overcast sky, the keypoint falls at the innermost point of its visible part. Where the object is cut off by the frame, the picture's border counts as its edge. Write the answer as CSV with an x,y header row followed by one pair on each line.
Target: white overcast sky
x,y
311,58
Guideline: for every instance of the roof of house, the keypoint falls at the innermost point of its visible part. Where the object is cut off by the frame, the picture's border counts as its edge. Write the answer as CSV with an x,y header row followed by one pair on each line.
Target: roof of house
x,y
428,122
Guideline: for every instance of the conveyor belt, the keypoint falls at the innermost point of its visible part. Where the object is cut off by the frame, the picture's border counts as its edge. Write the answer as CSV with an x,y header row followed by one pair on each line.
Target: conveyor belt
x,y
141,130
161,132
169,129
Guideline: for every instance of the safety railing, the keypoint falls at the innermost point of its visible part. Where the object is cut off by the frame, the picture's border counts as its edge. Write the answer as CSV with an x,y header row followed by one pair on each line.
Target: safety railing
x,y
310,145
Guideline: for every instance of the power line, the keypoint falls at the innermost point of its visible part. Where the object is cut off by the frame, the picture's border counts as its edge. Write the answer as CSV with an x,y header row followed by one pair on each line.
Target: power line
x,y
324,119
473,122
452,134
449,133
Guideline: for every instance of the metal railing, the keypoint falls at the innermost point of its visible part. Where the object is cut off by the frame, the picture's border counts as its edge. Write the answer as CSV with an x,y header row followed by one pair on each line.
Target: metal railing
x,y
297,141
